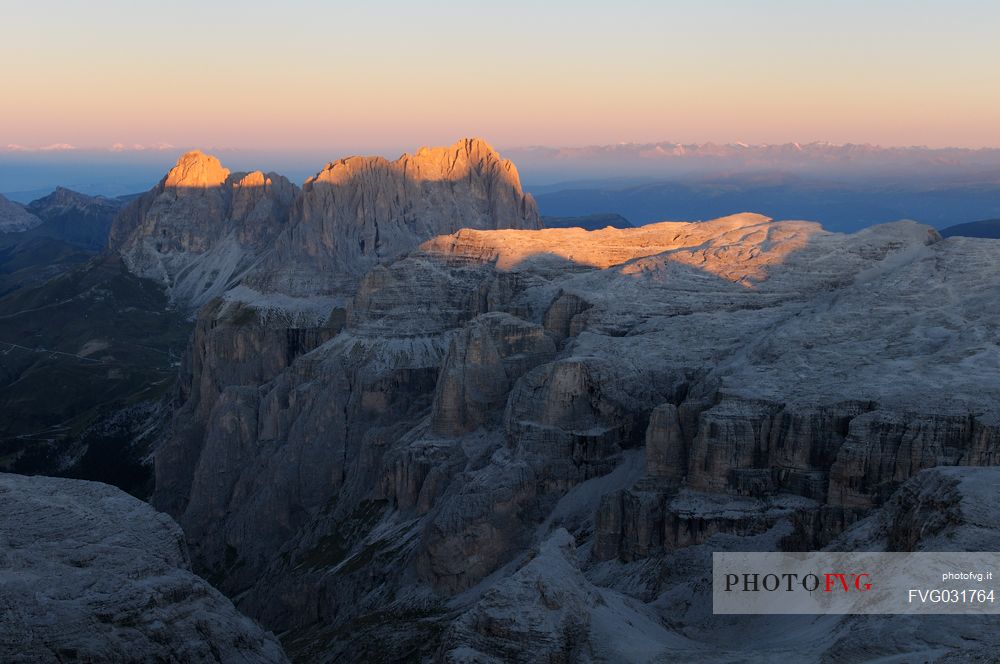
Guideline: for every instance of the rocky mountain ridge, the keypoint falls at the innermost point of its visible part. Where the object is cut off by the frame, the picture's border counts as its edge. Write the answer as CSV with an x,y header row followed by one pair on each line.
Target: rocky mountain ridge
x,y
76,218
630,393
203,230
14,218
412,424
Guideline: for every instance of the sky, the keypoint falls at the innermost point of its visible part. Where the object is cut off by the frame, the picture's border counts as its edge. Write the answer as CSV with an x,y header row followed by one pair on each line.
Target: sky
x,y
386,76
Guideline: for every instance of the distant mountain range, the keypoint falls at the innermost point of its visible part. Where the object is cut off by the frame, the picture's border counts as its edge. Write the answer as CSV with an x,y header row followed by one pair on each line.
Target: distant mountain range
x,y
839,204
76,218
28,174
844,187
52,234
590,222
545,165
989,228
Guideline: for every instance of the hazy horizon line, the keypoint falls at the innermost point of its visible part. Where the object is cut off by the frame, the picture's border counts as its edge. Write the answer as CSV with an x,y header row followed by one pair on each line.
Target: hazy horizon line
x,y
137,148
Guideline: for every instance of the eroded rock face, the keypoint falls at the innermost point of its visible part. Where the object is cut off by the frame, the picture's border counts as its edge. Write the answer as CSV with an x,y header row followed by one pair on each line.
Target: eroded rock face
x,y
93,574
938,509
234,349
666,448
247,337
484,360
843,459
561,316
884,449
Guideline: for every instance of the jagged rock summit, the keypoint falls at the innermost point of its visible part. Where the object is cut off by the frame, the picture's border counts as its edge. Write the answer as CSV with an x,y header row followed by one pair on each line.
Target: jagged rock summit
x,y
203,230
361,211
14,218
202,227
197,169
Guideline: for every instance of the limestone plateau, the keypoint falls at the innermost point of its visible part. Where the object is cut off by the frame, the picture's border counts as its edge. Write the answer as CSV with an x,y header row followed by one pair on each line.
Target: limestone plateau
x,y
411,424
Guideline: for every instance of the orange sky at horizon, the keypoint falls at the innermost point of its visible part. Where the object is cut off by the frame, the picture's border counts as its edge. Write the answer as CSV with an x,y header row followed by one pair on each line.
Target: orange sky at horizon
x,y
245,75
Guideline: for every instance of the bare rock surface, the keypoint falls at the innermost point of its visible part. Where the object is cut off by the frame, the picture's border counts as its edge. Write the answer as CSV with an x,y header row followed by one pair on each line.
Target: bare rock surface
x,y
413,425
484,360
939,509
494,386
505,443
360,211
14,218
92,574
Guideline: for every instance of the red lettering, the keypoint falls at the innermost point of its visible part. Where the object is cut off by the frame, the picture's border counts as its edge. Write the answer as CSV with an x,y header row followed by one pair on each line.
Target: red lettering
x,y
861,582
831,580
